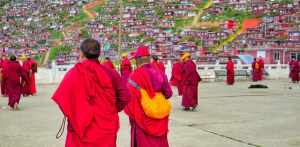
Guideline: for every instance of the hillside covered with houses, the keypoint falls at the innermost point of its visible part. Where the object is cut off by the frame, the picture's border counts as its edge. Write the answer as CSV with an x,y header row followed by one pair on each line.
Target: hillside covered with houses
x,y
207,28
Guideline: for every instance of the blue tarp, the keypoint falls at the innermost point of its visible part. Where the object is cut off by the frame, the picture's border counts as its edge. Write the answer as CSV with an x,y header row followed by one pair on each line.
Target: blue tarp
x,y
247,59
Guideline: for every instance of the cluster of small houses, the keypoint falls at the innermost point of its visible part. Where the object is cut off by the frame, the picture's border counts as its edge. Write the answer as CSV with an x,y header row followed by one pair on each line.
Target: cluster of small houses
x,y
276,38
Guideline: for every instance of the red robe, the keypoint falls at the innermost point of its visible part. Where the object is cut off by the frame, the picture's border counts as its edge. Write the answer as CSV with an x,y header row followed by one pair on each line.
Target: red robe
x,y
230,72
190,81
176,78
295,70
3,64
147,132
90,96
159,65
262,68
108,64
256,71
30,67
13,73
126,69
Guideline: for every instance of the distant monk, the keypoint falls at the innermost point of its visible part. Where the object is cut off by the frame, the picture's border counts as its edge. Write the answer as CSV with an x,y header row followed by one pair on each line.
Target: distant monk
x,y
13,74
90,96
291,63
146,131
30,68
230,71
126,68
190,81
107,62
157,64
3,64
176,78
256,71
262,68
295,70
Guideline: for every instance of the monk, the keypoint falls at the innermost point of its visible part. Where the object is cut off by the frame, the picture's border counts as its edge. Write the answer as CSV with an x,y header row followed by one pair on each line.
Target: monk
x,y
126,68
230,71
90,96
107,62
13,73
190,81
256,70
30,68
295,70
145,131
157,64
261,63
291,63
3,64
176,78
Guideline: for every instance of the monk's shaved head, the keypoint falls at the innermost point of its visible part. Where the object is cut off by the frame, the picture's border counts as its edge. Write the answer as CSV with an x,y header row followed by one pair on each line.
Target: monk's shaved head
x,y
90,48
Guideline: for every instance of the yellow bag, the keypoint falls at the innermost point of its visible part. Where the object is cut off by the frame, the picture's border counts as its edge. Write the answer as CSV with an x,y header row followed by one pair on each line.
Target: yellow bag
x,y
157,107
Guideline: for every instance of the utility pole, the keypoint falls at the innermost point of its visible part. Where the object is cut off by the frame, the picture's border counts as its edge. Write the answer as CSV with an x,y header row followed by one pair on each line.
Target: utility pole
x,y
120,27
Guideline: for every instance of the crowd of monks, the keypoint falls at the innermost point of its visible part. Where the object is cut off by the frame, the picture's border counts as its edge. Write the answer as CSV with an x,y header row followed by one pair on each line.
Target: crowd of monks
x,y
92,93
17,78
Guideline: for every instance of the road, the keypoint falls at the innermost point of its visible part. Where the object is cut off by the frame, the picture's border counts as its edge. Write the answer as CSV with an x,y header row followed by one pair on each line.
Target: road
x,y
228,116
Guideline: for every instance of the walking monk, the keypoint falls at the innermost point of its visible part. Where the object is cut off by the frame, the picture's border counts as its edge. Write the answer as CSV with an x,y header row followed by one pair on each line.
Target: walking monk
x,y
3,64
30,68
126,68
90,96
295,70
13,74
256,70
176,78
190,81
230,71
146,131
261,63
157,64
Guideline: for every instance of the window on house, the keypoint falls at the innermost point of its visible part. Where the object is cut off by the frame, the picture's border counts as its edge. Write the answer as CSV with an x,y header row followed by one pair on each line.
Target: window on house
x,y
295,56
277,55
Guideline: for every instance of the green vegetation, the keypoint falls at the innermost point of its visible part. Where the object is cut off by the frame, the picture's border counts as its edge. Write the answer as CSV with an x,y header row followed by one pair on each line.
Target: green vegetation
x,y
84,33
56,34
180,23
59,49
98,9
81,17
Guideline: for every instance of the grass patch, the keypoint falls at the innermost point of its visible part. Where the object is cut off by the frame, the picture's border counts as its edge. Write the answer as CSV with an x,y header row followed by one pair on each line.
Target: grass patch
x,y
56,35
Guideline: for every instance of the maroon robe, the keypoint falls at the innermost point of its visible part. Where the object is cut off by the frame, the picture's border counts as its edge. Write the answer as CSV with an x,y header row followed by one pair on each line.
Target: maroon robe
x,y
262,69
30,68
13,73
90,96
176,78
159,65
256,71
295,70
147,132
230,72
190,81
126,68
3,64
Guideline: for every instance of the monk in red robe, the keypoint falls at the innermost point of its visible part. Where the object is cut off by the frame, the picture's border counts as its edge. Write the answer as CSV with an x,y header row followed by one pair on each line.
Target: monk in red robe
x,y
157,64
230,71
261,63
107,62
176,78
295,70
126,68
291,63
3,64
90,96
190,81
13,74
30,68
145,131
256,70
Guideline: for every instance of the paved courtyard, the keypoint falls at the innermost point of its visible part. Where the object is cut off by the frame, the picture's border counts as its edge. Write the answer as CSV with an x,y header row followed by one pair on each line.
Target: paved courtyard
x,y
228,116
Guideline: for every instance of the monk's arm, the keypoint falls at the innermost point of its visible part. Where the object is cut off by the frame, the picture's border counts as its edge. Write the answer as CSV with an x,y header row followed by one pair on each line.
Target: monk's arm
x,y
166,88
122,92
